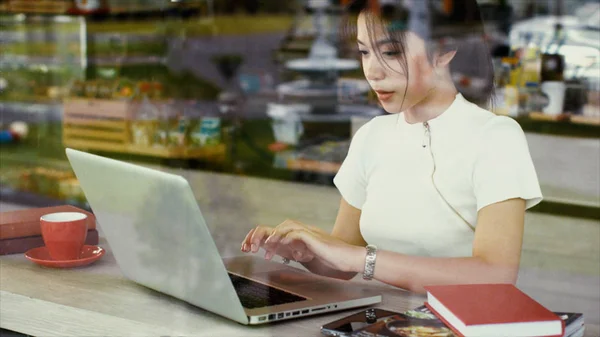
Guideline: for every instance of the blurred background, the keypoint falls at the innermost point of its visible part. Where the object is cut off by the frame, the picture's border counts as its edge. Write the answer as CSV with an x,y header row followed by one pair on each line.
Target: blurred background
x,y
255,103
261,88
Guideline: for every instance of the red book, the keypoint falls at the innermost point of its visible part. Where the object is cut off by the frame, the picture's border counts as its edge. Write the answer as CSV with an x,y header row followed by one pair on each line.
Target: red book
x,y
23,244
492,310
25,223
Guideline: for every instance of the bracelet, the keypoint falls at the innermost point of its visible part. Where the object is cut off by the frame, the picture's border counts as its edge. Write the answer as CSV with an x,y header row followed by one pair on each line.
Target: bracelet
x,y
370,262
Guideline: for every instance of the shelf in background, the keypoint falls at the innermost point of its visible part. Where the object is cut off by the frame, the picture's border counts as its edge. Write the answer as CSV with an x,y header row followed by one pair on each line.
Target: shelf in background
x,y
589,120
567,118
561,125
539,116
216,152
313,166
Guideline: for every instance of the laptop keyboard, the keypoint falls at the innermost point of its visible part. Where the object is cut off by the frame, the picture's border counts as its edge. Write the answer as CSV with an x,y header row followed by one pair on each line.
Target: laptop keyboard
x,y
253,294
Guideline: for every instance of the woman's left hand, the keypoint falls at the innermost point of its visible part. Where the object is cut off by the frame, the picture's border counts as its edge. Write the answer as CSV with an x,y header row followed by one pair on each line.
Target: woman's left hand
x,y
332,251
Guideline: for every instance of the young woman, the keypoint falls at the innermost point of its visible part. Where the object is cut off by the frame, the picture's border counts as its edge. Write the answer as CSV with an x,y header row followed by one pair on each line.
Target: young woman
x,y
434,192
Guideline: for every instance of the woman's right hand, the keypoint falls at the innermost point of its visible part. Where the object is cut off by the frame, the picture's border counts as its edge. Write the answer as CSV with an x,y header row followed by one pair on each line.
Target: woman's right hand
x,y
295,250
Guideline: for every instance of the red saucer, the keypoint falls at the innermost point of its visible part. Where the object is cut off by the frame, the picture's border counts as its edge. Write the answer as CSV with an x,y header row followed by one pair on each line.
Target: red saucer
x,y
41,256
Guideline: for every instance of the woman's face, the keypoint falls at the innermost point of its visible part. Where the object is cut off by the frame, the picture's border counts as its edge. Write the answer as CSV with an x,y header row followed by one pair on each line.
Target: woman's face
x,y
387,76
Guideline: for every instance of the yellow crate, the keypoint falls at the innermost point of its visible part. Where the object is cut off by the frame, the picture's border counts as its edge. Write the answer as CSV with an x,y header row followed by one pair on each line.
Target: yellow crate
x,y
105,125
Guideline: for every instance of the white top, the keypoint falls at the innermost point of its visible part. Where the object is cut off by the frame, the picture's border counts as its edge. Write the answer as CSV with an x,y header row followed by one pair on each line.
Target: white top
x,y
480,159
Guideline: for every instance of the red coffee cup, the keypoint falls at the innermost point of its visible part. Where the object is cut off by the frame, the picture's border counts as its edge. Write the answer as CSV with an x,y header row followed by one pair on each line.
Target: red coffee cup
x,y
64,234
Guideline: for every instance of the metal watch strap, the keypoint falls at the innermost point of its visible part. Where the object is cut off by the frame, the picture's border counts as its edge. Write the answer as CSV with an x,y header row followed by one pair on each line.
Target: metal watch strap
x,y
370,262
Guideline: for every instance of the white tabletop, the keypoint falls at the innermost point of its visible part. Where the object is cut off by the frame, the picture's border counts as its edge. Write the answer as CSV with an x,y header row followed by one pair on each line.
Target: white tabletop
x,y
559,269
98,300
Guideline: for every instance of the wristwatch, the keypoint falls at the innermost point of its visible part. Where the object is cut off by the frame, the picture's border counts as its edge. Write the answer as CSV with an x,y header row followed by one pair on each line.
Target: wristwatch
x,y
370,262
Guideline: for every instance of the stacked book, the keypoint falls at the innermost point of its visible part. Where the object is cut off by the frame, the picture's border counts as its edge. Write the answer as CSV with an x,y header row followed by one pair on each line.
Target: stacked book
x,y
500,310
20,230
489,310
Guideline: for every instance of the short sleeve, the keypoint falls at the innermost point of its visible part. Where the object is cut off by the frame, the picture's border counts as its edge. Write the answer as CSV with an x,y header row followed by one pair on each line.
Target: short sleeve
x,y
503,167
350,179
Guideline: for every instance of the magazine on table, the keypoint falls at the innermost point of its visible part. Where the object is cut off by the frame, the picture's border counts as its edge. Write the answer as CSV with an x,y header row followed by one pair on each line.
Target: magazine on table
x,y
420,322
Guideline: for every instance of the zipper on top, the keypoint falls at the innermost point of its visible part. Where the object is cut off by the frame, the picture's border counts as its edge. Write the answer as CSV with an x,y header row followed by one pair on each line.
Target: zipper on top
x,y
426,142
427,135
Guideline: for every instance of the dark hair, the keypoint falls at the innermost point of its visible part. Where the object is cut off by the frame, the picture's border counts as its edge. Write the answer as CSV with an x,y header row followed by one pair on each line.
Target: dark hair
x,y
459,28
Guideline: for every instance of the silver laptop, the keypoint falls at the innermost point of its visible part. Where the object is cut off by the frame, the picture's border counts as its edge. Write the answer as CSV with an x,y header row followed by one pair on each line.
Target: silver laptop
x,y
159,238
